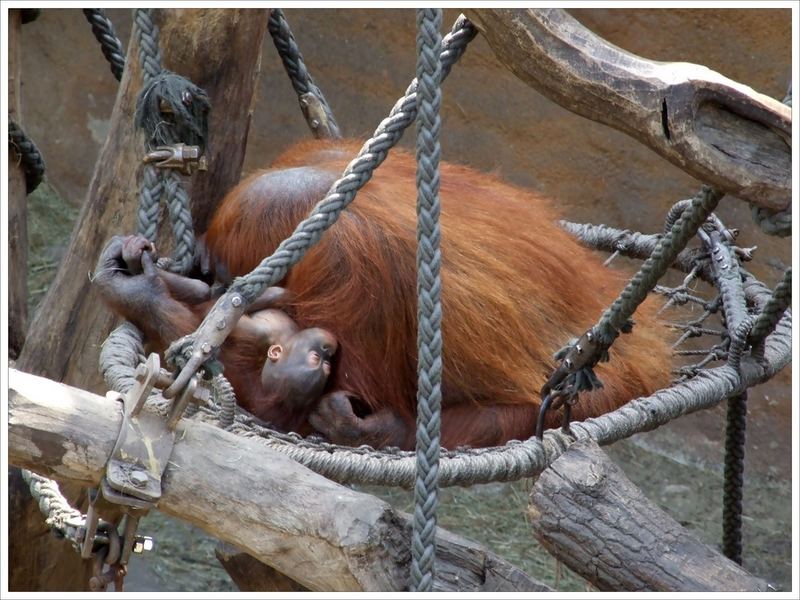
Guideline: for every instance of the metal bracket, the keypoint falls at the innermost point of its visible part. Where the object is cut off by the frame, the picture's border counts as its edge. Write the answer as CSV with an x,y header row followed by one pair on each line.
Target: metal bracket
x,y
134,471
177,156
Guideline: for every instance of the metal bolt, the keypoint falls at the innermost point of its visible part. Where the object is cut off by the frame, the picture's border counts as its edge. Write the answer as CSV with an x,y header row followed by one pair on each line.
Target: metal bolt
x,y
142,543
578,348
314,123
589,336
236,301
206,348
141,372
221,324
568,362
139,478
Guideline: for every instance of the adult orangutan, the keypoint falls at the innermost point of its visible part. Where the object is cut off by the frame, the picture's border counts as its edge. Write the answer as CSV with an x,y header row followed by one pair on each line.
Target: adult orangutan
x,y
515,288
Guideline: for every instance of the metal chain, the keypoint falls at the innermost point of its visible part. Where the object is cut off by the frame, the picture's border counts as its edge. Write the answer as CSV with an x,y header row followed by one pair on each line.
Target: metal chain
x,y
295,67
30,158
429,305
103,30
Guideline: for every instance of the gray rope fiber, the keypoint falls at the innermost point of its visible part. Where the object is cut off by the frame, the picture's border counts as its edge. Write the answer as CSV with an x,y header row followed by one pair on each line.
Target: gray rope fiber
x,y
59,515
295,67
374,151
517,459
768,318
158,183
104,31
616,317
30,158
736,422
429,304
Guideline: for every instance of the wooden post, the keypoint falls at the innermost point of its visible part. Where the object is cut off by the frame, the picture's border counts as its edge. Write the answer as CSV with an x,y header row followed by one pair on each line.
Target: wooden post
x,y
17,202
319,534
219,49
717,130
589,515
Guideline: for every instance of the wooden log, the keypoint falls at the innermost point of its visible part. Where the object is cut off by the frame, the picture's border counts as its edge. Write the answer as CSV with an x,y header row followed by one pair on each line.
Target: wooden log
x,y
717,130
589,515
17,202
251,575
220,49
324,536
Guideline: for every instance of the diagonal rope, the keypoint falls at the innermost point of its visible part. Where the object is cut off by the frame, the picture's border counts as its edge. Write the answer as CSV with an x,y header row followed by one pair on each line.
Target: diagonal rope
x,y
104,31
295,67
374,151
429,307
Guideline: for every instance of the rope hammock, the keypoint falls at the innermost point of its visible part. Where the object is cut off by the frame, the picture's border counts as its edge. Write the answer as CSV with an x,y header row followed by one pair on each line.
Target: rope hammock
x,y
753,315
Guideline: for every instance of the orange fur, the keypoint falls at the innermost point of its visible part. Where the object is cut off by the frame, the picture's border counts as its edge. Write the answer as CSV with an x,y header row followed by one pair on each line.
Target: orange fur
x,y
516,288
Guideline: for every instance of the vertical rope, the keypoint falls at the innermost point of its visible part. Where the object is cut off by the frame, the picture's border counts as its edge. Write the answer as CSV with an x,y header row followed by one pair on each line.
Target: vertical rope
x,y
773,311
158,183
734,477
429,309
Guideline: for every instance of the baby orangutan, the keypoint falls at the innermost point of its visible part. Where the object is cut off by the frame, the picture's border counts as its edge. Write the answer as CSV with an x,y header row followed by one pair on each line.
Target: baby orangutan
x,y
165,306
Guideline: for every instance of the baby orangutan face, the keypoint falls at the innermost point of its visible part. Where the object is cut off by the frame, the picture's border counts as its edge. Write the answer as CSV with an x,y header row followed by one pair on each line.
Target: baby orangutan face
x,y
296,371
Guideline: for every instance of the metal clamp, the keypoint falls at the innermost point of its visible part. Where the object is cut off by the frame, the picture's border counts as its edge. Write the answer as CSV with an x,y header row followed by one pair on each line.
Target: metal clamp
x,y
177,156
134,471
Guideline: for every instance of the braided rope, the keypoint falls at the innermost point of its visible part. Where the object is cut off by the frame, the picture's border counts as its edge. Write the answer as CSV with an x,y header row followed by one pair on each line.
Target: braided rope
x,y
103,30
617,316
768,318
59,515
356,175
517,459
429,307
149,202
374,151
736,423
30,158
149,52
158,183
181,219
295,67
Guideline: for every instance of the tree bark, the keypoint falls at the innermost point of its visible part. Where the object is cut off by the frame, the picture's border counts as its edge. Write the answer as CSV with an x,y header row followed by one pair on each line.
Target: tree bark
x,y
17,202
588,515
717,130
319,534
218,49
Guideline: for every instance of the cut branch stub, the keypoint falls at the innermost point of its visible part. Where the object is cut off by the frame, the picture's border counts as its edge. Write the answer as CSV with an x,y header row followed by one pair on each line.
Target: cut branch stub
x,y
717,130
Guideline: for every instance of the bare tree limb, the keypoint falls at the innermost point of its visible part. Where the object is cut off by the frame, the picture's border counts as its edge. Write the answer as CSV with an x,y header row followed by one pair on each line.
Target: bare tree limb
x,y
717,130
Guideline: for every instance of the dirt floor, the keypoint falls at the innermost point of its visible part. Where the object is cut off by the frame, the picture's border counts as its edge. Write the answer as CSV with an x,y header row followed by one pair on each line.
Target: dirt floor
x,y
596,174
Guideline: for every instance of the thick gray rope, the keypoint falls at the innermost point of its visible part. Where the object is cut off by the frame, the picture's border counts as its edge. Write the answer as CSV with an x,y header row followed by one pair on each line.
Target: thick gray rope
x,y
780,300
517,459
356,175
429,305
59,515
30,158
273,268
772,222
104,31
617,316
161,182
295,67
149,51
